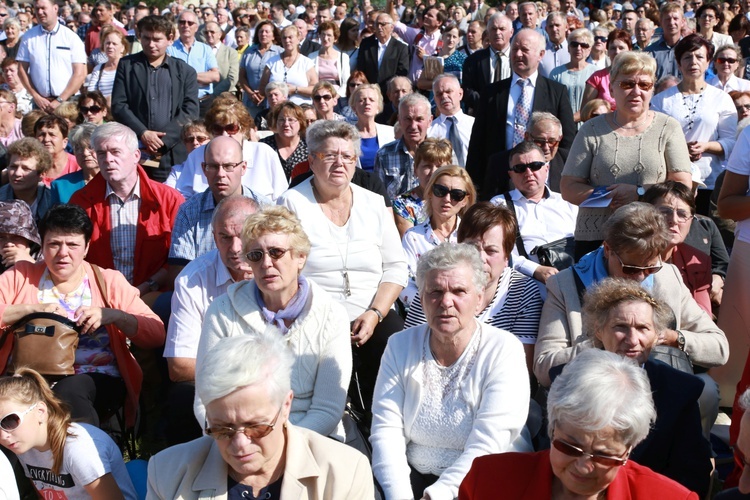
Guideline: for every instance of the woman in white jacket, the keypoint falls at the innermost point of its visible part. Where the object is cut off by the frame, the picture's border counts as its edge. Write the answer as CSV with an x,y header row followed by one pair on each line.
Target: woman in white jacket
x,y
280,301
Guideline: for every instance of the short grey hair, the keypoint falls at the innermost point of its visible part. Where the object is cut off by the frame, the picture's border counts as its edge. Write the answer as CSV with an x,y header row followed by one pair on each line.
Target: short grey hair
x,y
557,15
281,86
450,256
392,81
524,4
744,400
581,34
648,22
233,206
12,21
600,389
322,130
252,359
538,117
444,76
80,136
412,100
116,130
499,16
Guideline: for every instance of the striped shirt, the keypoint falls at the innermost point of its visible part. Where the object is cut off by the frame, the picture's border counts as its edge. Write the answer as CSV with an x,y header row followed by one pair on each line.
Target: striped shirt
x,y
123,216
516,307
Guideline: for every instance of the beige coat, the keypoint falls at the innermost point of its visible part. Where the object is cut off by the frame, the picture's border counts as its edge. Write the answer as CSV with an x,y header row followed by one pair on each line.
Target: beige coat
x,y
317,467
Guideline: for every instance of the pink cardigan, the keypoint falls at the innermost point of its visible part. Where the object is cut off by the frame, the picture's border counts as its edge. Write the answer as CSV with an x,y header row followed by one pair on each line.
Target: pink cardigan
x,y
20,285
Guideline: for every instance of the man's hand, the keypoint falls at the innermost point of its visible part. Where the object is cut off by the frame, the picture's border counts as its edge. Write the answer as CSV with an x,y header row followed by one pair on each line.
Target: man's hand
x,y
42,103
542,273
53,104
152,141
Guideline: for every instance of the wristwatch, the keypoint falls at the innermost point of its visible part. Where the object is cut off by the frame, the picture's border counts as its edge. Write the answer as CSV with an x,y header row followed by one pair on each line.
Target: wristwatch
x,y
680,340
59,99
640,191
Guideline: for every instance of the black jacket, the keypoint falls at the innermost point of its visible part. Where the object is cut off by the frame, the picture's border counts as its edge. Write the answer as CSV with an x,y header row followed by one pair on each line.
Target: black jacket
x,y
395,61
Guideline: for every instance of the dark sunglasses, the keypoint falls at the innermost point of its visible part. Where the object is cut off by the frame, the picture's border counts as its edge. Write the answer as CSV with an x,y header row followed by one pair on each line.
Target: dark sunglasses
x,y
325,97
601,39
575,452
583,45
199,138
743,107
230,129
353,85
189,23
722,60
633,270
255,431
274,252
533,166
457,195
631,84
93,109
545,142
11,421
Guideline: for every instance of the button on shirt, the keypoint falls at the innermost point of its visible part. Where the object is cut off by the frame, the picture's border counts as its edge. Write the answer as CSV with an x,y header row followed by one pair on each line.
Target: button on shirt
x,y
254,63
554,56
428,42
381,51
51,55
440,128
123,216
200,58
159,96
515,95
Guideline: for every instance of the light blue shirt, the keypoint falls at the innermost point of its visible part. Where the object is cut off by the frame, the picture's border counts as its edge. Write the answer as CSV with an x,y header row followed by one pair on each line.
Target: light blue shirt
x,y
201,58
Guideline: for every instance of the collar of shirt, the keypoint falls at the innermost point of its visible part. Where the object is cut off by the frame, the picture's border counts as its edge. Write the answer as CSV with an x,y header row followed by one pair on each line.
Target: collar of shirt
x,y
53,31
136,192
556,47
222,273
444,118
383,46
532,79
517,195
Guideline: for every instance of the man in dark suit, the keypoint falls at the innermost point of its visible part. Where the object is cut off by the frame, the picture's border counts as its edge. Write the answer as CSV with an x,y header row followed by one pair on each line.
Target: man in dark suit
x,y
498,125
307,46
482,67
381,57
155,95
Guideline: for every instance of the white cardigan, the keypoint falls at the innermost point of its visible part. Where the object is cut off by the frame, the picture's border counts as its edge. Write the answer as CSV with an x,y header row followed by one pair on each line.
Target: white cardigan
x,y
344,70
497,390
319,339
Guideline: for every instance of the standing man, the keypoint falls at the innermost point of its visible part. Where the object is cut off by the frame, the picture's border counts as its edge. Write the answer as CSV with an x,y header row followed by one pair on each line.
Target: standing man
x,y
101,16
528,14
452,123
226,58
644,30
505,108
381,57
422,42
629,18
672,23
53,59
154,94
556,53
486,66
307,46
394,162
572,10
198,55
277,16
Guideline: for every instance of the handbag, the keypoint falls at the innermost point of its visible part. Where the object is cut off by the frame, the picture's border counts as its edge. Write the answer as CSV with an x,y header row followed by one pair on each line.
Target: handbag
x,y
674,357
44,342
557,254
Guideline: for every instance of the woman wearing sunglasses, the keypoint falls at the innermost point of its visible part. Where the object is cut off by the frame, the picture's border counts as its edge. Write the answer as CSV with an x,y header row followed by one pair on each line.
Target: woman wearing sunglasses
x,y
599,409
331,64
287,120
622,151
726,61
324,100
598,84
598,56
575,73
636,236
281,299
448,194
343,107
61,458
93,108
706,114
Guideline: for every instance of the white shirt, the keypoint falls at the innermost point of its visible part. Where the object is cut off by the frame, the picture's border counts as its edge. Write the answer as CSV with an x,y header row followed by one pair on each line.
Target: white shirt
x,y
264,174
515,94
441,126
505,67
550,219
230,40
553,58
51,55
739,163
381,51
732,84
199,283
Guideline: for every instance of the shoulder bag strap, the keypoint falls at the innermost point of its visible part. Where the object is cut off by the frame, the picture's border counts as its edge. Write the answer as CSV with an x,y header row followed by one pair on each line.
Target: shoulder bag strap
x,y
519,240
101,284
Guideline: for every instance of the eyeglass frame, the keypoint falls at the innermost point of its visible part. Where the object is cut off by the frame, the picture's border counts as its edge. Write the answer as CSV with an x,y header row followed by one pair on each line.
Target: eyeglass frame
x,y
647,270
575,452
19,415
226,167
268,252
456,195
674,212
210,431
332,157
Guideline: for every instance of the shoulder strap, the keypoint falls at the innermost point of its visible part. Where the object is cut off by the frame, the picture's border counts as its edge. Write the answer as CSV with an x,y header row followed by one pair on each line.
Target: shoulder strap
x,y
101,284
519,239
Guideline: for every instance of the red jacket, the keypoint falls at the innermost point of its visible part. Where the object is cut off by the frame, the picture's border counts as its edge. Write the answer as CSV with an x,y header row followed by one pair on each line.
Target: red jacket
x,y
529,476
695,268
159,205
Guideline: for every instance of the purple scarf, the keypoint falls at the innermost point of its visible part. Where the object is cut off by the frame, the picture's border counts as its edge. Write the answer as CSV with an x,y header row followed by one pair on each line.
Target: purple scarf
x,y
291,311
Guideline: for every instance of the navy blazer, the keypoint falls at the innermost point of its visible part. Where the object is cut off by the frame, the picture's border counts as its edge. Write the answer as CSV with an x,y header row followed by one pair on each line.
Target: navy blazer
x,y
675,447
395,61
488,133
130,105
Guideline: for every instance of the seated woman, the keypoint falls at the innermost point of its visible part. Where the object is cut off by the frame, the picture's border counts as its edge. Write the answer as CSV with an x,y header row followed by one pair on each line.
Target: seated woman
x,y
511,301
343,107
193,135
19,238
599,409
64,284
252,450
621,317
450,390
324,100
93,107
634,238
366,101
408,208
282,300
63,187
61,458
287,122
449,192
10,122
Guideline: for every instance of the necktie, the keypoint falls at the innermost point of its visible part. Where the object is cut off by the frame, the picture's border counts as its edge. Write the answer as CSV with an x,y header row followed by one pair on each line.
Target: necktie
x,y
498,68
522,111
455,140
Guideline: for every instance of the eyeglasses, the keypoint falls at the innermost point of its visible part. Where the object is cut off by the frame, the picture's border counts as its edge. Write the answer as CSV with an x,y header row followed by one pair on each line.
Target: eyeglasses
x,y
533,166
457,195
324,97
332,157
274,252
723,60
600,39
682,214
583,45
12,421
199,138
594,115
743,107
230,129
541,142
287,119
227,167
382,25
353,85
633,270
631,84
92,109
255,431
605,460
189,23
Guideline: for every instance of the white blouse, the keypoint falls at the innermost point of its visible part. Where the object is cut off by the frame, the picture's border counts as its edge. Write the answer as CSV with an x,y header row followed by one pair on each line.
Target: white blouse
x,y
296,75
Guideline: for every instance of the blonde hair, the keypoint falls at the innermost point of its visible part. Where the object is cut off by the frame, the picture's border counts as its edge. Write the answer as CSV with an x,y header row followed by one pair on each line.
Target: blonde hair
x,y
630,63
276,219
450,171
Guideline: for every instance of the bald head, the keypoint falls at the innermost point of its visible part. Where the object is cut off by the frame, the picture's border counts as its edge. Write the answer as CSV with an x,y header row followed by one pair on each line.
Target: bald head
x,y
230,149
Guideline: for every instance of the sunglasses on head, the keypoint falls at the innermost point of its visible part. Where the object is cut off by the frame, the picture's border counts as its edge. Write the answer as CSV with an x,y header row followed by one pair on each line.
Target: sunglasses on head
x,y
255,431
533,166
583,45
324,97
634,270
575,452
722,60
440,191
12,421
93,109
230,129
274,252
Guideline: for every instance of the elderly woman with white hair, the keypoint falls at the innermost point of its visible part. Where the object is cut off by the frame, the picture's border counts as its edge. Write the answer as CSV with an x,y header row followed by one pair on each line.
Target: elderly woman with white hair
x,y
450,390
251,449
599,409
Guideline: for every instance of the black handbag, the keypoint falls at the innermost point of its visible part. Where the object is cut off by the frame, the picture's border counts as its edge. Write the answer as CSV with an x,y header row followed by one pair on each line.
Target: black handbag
x,y
674,357
557,254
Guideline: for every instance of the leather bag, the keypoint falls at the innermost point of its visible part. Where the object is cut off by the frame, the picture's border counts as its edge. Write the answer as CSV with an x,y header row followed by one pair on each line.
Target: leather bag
x,y
45,342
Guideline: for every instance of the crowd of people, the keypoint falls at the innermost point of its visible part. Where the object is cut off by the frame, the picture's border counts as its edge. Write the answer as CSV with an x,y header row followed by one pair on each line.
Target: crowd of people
x,y
349,251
